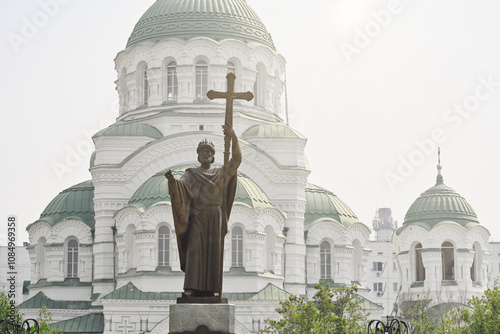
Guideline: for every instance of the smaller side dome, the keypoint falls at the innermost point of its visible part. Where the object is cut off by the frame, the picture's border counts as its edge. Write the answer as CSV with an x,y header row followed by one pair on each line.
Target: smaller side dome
x,y
76,202
155,190
321,203
439,203
271,131
130,129
249,193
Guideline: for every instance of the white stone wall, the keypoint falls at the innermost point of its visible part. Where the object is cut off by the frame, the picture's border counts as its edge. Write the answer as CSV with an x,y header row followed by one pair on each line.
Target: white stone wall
x,y
434,287
249,61
383,254
22,270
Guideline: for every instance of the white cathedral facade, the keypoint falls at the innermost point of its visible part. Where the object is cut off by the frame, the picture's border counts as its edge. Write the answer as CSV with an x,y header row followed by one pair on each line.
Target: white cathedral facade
x,y
103,253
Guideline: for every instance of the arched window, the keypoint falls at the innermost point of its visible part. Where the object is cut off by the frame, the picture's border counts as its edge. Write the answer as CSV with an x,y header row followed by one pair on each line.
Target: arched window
x,y
256,95
237,247
40,266
475,270
72,259
270,249
259,88
130,252
123,90
448,261
356,263
201,80
145,86
231,68
163,246
419,264
325,250
172,86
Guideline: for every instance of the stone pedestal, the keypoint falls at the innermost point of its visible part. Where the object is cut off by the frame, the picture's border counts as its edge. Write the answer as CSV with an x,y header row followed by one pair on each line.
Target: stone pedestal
x,y
218,318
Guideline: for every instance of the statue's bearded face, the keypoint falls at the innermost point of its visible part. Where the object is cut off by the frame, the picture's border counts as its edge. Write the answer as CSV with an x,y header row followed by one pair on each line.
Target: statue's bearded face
x,y
206,155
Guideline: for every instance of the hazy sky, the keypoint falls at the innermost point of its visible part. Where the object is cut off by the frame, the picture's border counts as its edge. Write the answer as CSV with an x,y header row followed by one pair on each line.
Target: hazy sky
x,y
375,86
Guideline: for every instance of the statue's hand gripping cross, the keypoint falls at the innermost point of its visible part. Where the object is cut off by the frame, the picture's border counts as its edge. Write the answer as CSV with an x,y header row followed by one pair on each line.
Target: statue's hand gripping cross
x,y
230,95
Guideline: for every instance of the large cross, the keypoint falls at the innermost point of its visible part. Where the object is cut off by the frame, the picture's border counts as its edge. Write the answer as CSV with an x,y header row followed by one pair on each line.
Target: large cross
x,y
230,96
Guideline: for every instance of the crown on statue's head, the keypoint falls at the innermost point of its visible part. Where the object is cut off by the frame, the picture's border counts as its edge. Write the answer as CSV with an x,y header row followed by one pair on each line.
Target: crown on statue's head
x,y
205,143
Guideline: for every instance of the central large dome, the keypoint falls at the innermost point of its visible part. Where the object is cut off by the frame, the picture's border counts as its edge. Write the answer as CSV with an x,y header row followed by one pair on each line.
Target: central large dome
x,y
187,19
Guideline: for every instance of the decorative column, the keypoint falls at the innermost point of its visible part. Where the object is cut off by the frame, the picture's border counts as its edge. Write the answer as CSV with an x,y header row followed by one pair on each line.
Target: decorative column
x,y
155,86
145,241
255,244
185,81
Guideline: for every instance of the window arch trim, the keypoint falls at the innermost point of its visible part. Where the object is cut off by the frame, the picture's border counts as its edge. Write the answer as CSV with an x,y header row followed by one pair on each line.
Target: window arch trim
x,y
201,78
163,249
171,81
72,257
237,246
448,261
325,249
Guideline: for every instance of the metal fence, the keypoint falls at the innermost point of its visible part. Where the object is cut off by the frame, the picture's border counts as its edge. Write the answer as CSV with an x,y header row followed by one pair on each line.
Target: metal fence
x,y
9,326
392,326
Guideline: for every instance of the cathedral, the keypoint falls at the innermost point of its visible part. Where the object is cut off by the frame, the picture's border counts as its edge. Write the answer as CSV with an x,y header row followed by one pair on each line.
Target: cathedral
x,y
103,254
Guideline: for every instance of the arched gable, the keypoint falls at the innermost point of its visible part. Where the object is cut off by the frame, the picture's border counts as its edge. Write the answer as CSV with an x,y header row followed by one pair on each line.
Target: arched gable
x,y
125,217
38,230
181,150
358,231
272,218
326,229
72,228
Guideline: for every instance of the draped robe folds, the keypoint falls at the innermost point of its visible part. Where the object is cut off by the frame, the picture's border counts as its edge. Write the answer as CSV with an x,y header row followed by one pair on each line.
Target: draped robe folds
x,y
200,224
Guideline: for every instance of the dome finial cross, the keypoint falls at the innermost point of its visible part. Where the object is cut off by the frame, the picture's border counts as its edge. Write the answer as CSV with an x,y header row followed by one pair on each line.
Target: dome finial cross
x,y
439,178
439,160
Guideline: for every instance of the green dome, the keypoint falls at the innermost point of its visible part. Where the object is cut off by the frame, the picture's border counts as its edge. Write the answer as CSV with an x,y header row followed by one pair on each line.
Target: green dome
x,y
130,129
321,203
439,203
155,190
271,131
185,20
76,202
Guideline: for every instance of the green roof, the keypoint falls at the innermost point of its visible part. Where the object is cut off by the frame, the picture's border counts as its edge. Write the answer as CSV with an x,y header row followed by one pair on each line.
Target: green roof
x,y
249,193
68,282
271,131
131,292
40,299
87,324
367,304
76,202
122,128
321,204
270,292
155,190
185,20
437,204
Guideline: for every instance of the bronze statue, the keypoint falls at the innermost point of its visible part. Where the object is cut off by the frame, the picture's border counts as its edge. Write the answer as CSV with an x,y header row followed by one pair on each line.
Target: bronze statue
x,y
201,204
200,220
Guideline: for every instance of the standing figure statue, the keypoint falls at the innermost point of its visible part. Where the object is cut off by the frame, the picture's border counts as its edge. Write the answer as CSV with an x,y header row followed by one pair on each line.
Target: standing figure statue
x,y
201,203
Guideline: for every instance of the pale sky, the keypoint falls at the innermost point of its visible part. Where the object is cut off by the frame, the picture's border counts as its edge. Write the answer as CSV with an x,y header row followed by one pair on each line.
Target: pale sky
x,y
375,86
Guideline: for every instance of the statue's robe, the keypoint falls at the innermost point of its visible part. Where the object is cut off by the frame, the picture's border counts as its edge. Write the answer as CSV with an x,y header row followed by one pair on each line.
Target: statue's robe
x,y
201,224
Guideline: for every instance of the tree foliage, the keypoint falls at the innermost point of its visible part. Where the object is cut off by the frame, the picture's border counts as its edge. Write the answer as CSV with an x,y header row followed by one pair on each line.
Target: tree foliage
x,y
480,316
44,318
484,317
417,314
332,311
